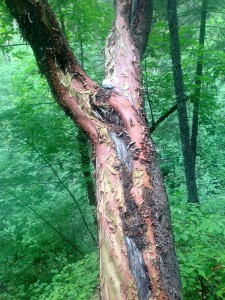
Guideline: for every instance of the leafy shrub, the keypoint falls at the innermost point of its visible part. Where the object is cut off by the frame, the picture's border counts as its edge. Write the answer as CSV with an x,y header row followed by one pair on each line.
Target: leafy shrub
x,y
76,281
199,236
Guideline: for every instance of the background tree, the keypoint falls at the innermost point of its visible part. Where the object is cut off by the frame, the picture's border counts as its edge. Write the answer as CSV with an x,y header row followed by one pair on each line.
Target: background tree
x,y
198,83
181,103
189,141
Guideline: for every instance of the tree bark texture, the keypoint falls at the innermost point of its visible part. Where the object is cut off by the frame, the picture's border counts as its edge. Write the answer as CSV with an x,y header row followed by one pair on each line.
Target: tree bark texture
x,y
137,255
189,165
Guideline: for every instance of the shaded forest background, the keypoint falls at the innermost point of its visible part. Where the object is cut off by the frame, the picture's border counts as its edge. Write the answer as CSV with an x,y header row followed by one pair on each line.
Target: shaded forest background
x,y
48,231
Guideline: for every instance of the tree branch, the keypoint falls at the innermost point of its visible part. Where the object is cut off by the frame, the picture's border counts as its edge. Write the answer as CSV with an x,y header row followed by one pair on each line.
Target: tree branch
x,y
140,22
138,16
163,117
65,187
49,225
13,45
68,82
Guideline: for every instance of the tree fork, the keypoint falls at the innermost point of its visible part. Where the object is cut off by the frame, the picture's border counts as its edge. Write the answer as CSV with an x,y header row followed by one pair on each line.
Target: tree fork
x,y
137,255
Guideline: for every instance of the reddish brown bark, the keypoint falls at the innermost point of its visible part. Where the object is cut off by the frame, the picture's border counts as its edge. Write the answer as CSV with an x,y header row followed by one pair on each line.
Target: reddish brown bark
x,y
137,256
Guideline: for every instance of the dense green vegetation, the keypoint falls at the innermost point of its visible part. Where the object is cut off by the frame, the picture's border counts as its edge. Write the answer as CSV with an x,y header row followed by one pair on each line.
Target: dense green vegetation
x,y
48,233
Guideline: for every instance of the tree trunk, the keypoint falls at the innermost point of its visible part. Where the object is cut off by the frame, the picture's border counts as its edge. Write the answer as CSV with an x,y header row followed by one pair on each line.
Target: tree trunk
x,y
137,255
61,18
198,82
86,167
189,165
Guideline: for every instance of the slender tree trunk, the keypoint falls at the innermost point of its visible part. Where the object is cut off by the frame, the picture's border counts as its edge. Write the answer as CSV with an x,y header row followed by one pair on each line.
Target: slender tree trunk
x,y
189,165
81,52
86,169
137,255
148,98
198,82
61,18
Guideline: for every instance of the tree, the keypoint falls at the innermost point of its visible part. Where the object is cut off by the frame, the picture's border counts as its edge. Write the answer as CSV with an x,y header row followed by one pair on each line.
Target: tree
x,y
198,82
189,164
188,133
137,255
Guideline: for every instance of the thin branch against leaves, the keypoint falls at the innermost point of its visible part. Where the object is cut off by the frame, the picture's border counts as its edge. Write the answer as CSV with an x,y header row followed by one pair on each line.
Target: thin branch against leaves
x,y
12,45
77,248
32,145
62,183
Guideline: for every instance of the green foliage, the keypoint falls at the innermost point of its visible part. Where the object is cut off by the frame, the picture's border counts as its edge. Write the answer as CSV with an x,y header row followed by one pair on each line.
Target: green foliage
x,y
6,27
43,197
199,235
87,24
46,217
76,281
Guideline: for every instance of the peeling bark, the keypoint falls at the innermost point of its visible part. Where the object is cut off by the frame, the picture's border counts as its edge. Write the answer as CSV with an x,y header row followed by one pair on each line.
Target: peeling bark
x,y
137,255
